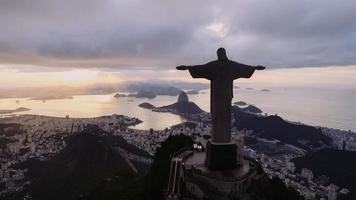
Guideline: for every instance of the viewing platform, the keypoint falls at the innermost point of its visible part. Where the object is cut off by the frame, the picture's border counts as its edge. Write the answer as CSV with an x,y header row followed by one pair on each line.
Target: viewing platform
x,y
188,171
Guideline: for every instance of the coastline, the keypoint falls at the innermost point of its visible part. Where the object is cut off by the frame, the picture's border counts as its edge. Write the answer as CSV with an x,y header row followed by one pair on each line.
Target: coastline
x,y
185,117
20,109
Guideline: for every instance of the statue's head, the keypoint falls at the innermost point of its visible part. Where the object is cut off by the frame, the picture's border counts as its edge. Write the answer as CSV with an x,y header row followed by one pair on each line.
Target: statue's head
x,y
221,54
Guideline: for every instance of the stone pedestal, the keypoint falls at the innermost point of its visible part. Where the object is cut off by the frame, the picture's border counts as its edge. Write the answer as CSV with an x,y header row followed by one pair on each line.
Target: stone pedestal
x,y
221,156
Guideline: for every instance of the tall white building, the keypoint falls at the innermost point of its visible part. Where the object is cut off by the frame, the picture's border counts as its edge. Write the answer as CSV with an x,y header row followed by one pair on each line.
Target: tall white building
x,y
332,192
307,173
290,166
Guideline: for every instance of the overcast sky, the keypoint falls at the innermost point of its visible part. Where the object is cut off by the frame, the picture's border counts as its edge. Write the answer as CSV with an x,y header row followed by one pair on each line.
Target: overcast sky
x,y
110,35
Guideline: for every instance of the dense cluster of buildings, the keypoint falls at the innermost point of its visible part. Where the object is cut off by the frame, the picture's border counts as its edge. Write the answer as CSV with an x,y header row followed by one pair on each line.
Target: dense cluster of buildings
x,y
43,137
342,140
149,140
304,181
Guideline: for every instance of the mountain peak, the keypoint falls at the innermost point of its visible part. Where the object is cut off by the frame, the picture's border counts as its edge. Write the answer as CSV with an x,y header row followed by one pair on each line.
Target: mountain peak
x,y
183,97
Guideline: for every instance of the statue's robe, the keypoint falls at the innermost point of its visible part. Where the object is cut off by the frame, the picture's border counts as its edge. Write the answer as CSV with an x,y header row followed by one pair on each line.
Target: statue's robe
x,y
221,73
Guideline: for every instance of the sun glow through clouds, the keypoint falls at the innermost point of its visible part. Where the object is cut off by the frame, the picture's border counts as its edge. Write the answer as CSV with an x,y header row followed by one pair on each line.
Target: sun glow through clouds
x,y
80,75
219,29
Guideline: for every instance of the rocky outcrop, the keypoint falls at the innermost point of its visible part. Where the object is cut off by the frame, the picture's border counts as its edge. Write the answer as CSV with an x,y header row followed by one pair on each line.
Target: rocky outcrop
x,y
183,106
146,105
183,97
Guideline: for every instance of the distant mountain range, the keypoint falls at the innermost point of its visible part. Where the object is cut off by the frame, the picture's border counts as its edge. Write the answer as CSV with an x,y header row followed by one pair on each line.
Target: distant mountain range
x,y
172,88
139,94
20,109
154,88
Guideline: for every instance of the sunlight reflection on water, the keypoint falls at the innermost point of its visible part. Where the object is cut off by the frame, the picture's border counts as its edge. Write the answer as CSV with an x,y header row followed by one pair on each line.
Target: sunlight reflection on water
x,y
331,108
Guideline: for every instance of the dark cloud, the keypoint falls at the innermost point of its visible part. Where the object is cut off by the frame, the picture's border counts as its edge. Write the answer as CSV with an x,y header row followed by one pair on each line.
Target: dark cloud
x,y
158,34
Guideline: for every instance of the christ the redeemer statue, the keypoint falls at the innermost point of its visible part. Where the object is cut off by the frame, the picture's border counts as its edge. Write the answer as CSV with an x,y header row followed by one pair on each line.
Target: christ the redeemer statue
x,y
221,73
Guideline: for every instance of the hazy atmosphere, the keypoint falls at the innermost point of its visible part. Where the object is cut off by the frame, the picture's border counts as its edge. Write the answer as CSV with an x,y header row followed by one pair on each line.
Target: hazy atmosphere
x,y
39,37
177,99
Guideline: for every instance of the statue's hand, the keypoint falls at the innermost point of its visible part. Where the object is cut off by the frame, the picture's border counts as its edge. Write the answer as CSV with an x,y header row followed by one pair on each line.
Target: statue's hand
x,y
260,67
182,67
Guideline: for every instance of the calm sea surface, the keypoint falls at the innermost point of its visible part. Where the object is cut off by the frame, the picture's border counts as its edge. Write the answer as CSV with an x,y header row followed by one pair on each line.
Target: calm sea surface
x,y
331,108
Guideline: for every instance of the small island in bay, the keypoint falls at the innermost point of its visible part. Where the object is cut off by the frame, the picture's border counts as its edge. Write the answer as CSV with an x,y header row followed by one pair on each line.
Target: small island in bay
x,y
118,95
249,88
146,105
51,97
20,109
139,94
265,90
182,107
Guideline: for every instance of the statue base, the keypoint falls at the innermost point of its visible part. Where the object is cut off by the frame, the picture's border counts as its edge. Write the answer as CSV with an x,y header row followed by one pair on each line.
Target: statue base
x,y
200,182
221,156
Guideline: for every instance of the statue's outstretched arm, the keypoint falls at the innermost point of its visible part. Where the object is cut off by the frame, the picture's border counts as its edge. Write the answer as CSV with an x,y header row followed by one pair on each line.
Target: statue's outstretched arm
x,y
197,71
182,67
258,67
185,67
240,70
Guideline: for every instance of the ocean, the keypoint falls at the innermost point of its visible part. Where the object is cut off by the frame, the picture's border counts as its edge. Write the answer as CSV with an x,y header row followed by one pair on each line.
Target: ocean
x,y
333,108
